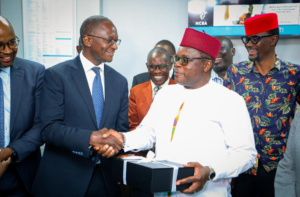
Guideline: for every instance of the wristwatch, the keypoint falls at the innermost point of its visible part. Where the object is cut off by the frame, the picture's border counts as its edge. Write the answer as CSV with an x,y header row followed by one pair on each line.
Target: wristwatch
x,y
212,173
123,138
14,157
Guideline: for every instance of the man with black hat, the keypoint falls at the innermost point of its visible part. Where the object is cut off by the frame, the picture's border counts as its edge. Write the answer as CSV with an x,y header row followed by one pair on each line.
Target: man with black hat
x,y
189,122
270,87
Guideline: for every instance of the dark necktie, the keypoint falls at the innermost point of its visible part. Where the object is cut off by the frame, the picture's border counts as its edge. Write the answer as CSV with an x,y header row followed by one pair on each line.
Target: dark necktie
x,y
1,115
97,95
156,88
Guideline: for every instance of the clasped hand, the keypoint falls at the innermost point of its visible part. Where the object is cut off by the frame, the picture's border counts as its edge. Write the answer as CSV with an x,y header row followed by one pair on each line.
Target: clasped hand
x,y
106,142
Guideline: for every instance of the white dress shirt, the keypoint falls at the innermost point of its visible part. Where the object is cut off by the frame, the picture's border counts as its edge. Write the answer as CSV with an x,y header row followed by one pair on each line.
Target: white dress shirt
x,y
161,86
213,128
5,76
90,74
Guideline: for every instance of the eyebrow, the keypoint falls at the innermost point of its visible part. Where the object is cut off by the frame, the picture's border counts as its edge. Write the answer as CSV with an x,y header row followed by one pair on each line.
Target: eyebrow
x,y
8,41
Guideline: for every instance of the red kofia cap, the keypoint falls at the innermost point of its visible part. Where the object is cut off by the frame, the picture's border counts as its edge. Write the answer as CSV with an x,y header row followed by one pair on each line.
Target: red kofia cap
x,y
201,41
261,23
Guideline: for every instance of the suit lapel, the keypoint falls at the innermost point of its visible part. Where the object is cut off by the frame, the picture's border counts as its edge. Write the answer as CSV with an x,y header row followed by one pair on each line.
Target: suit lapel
x,y
16,83
147,91
82,84
109,88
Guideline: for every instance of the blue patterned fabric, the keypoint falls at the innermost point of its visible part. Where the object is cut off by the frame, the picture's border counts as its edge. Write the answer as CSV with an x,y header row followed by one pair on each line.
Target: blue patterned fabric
x,y
97,95
1,115
271,101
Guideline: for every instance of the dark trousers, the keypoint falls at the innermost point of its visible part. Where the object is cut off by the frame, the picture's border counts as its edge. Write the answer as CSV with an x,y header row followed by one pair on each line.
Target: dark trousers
x,y
97,186
261,185
139,193
11,184
128,191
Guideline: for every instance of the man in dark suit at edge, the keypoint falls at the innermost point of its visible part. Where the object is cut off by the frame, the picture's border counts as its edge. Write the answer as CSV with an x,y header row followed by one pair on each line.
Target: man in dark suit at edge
x,y
81,98
20,137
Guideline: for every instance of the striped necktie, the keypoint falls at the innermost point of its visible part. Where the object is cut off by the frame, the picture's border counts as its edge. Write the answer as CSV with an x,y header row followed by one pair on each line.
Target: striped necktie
x,y
97,95
156,88
2,144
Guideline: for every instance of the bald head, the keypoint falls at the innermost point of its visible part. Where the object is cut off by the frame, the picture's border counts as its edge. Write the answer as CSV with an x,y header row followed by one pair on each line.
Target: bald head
x,y
159,51
223,38
166,44
5,25
4,21
9,43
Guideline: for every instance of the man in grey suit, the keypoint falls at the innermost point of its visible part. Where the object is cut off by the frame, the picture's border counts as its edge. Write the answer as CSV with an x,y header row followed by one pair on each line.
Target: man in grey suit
x,y
288,170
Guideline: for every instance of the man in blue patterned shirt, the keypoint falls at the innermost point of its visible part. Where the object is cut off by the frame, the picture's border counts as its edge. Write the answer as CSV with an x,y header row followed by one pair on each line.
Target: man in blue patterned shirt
x,y
270,87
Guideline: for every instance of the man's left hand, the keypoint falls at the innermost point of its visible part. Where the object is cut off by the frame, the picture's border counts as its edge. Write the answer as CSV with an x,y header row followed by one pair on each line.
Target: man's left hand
x,y
5,153
198,180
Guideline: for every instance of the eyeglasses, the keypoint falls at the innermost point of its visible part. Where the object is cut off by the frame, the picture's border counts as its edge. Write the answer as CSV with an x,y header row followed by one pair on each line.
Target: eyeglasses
x,y
109,41
184,60
253,39
161,67
13,44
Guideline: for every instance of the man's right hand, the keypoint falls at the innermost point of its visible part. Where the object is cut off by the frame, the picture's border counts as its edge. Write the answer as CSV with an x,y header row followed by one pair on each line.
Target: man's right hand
x,y
106,151
111,144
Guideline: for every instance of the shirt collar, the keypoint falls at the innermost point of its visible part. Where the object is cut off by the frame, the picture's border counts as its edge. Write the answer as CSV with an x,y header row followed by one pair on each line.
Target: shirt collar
x,y
6,69
215,75
87,64
277,65
166,83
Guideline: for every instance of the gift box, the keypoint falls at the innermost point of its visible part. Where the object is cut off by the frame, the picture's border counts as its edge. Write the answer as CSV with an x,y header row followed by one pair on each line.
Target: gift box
x,y
151,176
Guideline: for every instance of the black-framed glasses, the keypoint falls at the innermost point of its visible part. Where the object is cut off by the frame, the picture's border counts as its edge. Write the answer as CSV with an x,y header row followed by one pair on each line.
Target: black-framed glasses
x,y
253,39
109,41
161,67
184,60
13,44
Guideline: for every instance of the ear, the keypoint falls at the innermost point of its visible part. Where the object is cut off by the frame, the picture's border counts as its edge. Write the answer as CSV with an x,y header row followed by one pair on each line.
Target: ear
x,y
87,41
207,65
233,51
274,40
171,66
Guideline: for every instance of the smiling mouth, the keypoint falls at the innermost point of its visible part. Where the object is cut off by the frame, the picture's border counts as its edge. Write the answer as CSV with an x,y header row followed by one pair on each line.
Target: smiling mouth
x,y
111,53
218,60
6,59
158,77
251,51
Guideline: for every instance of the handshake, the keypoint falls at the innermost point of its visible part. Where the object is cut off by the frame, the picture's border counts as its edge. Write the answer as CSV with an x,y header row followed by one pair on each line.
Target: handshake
x,y
107,142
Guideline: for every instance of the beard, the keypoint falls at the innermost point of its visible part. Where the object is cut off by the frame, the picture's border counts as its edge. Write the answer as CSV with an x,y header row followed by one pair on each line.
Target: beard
x,y
257,58
219,69
254,58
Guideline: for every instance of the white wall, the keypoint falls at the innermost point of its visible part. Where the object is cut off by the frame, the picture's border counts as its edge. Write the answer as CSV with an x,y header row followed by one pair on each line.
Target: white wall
x,y
141,24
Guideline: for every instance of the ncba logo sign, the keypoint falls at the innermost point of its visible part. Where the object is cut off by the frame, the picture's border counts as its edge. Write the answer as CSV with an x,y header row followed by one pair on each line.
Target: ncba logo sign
x,y
202,16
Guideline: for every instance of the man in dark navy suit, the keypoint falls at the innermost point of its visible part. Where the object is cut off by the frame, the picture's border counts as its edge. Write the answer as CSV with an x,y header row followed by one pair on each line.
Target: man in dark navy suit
x,y
144,77
81,98
20,137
